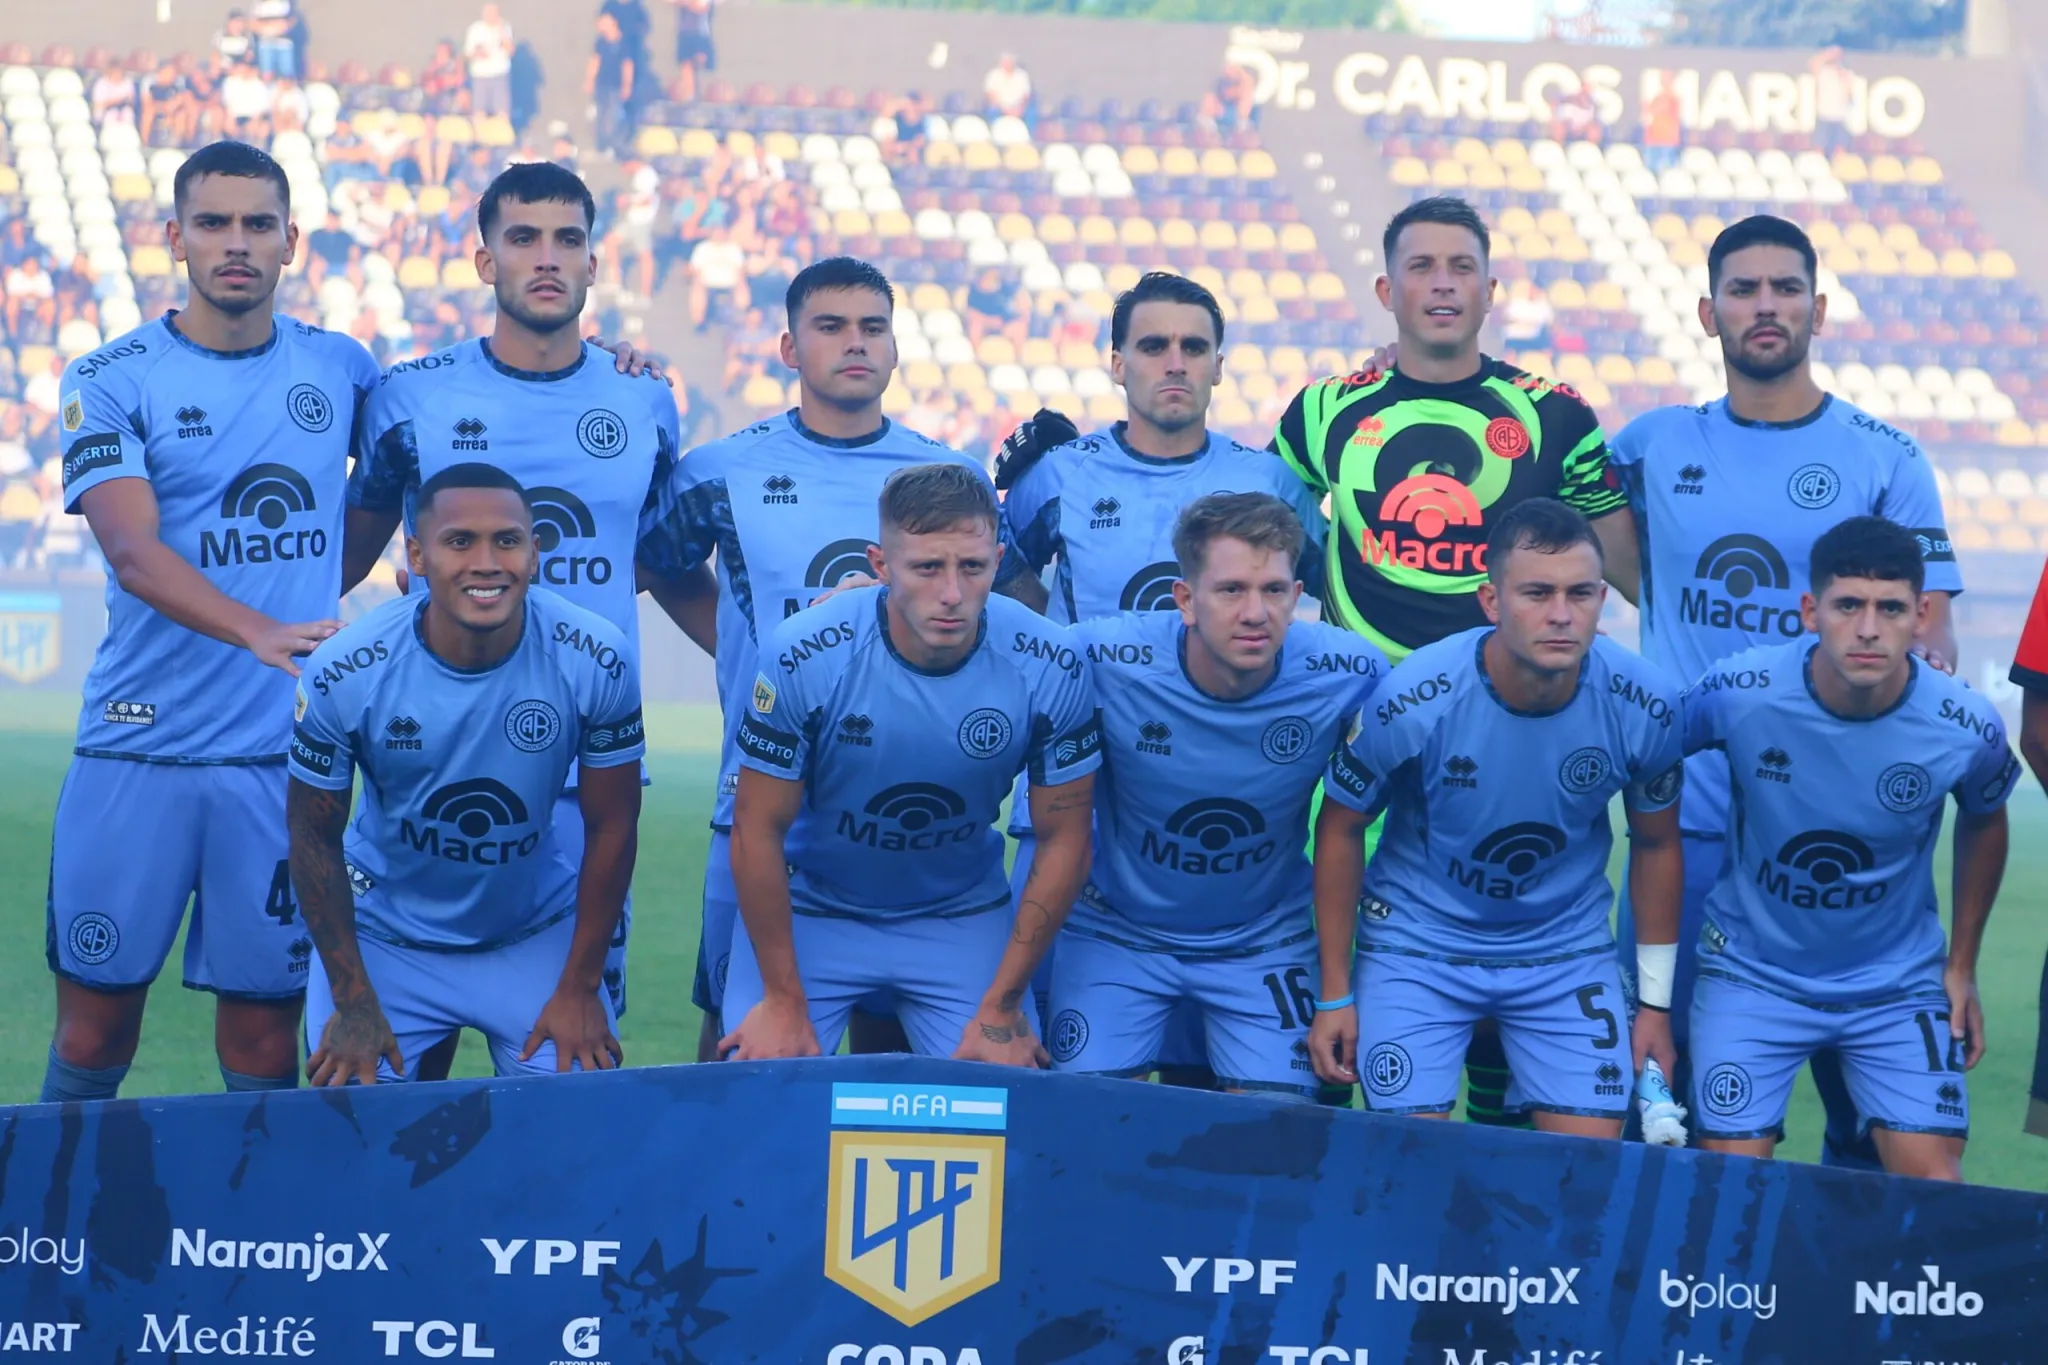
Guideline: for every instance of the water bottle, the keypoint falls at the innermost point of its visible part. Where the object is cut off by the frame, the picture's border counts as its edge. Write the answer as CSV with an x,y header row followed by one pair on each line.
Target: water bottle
x,y
1663,1116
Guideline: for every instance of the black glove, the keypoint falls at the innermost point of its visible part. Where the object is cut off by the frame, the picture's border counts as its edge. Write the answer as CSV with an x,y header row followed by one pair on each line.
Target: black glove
x,y
1046,429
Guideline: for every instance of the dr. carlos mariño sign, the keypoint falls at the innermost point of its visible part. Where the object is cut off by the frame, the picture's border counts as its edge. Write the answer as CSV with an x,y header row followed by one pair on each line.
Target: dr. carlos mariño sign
x,y
1365,82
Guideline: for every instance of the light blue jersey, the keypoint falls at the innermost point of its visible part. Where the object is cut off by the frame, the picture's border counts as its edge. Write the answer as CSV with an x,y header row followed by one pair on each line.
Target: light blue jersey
x,y
1106,513
451,845
905,770
789,514
1201,811
1727,512
247,454
1828,894
592,447
1496,841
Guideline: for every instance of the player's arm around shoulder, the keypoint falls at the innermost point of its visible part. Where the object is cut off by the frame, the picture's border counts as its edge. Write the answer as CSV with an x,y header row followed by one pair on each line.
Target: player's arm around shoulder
x,y
1712,705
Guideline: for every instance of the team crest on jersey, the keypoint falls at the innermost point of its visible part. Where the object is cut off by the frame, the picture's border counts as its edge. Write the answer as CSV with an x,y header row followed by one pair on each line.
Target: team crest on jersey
x,y
1584,770
1813,486
601,432
74,411
985,733
1904,787
914,1202
764,694
1507,438
1286,739
532,726
309,408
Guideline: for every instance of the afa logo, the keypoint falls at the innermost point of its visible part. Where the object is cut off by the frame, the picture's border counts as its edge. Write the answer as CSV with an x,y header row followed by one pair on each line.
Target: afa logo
x,y
1585,770
914,1198
268,495
1428,505
1067,1035
1813,486
1726,1089
601,433
1151,588
559,516
1386,1069
1286,739
309,408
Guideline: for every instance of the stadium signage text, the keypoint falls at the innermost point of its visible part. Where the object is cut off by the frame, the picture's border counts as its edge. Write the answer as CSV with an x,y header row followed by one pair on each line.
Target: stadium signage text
x,y
315,1257
1927,1297
38,1336
1226,1271
18,1248
436,1340
1510,1291
549,1253
1676,1292
847,1353
287,1337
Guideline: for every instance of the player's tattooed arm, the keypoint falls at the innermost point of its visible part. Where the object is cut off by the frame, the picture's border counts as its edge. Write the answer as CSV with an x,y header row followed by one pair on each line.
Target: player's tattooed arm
x,y
357,1035
1028,589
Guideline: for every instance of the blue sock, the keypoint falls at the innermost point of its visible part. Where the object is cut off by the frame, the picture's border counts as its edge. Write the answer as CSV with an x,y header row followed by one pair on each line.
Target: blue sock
x,y
237,1081
63,1082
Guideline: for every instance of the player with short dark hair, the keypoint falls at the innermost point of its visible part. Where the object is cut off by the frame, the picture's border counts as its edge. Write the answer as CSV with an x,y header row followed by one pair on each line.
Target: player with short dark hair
x,y
1729,499
883,731
1824,929
788,506
1217,722
207,451
591,444
449,902
1494,754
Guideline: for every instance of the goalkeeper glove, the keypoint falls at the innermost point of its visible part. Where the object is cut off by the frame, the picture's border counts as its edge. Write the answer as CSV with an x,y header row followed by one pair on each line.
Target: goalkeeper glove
x,y
1029,441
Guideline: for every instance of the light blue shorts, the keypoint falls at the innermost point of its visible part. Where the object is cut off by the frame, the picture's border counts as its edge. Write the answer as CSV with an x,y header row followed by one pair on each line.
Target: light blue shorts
x,y
135,841
1564,1026
427,995
1113,1006
721,913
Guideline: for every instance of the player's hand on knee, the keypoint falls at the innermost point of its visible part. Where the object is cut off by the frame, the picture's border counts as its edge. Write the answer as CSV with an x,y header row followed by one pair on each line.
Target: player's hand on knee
x,y
1965,1014
846,584
574,1021
355,1039
775,1027
1333,1045
282,646
1003,1037
1650,1036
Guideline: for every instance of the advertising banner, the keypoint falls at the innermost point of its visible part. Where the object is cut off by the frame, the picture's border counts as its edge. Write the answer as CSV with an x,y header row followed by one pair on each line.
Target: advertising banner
x,y
897,1211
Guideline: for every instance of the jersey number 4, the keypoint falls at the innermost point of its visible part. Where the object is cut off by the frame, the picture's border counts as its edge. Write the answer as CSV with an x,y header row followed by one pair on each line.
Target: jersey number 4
x,y
279,905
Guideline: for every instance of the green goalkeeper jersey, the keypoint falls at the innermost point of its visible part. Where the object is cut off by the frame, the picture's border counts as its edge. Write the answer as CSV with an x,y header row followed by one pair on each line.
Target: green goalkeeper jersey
x,y
1413,471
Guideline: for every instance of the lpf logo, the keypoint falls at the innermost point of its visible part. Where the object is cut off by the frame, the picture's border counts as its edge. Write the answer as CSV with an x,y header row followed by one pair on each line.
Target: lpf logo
x,y
914,1209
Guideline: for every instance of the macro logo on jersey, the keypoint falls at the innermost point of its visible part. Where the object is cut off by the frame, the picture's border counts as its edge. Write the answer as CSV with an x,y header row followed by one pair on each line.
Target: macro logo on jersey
x,y
1427,505
829,568
985,733
1213,836
1728,571
94,938
192,422
1151,588
1904,788
914,1198
560,516
601,433
1813,486
469,434
1813,870
309,408
460,822
909,816
269,495
1585,770
1510,861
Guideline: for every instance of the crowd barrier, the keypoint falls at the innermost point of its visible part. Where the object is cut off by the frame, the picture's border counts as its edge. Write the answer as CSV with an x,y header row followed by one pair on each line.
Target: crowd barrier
x,y
897,1211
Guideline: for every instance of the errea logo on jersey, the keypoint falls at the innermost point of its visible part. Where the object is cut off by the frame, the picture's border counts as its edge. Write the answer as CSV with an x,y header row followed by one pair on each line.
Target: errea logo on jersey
x,y
269,495
469,435
1429,504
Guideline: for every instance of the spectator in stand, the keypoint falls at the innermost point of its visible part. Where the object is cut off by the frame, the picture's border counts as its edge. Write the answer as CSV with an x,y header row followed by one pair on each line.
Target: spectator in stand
x,y
527,80
996,308
632,233
754,344
562,148
1007,90
487,48
1527,318
347,157
114,96
684,204
906,146
41,394
695,50
1574,119
783,212
468,178
1662,130
717,270
1834,98
772,266
608,82
27,283
275,24
444,85
1237,96
245,104
330,242
1073,324
16,245
234,43
170,115
289,107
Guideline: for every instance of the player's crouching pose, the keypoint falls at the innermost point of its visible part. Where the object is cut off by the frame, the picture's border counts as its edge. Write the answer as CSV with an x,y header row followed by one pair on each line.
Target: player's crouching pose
x,y
1495,753
885,728
449,903
1217,723
1824,930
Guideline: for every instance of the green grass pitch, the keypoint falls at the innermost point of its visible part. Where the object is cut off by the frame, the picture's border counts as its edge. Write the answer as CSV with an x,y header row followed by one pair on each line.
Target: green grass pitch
x,y
661,1025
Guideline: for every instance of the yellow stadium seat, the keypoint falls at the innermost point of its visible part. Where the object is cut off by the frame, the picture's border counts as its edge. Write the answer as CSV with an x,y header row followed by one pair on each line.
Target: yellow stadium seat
x,y
2034,511
1078,355
1099,302
1567,293
1886,169
1287,362
1248,359
1849,168
1097,231
783,145
1525,180
1056,229
1574,368
1532,246
1537,362
981,156
1297,239
925,376
1596,392
1503,248
1920,261
995,349
1247,284
127,189
1218,234
1668,227
929,298
1020,157
1257,237
1325,287
1842,260
1970,536
459,272
650,142
1880,260
1070,405
149,260
1996,265
1177,233
1409,172
1121,276
1257,164
417,272
411,125
1105,408
454,128
35,359
740,142
2015,538
1656,370
897,399
1038,351
762,392
1607,296
495,131
1014,227
1219,163
1257,388
852,223
1470,151
1994,510
1824,233
1515,221
1140,231
1901,237
1179,161
1958,264
1689,254
1486,177
1864,236
1328,360
1923,170
1448,175
1705,228
1259,311
697,143
1615,369
2040,434
966,377
433,199
1570,248
1554,223
1284,286
941,153
1509,151
1141,160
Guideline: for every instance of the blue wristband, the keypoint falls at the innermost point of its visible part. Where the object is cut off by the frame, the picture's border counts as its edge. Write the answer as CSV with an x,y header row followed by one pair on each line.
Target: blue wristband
x,y
1325,1006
